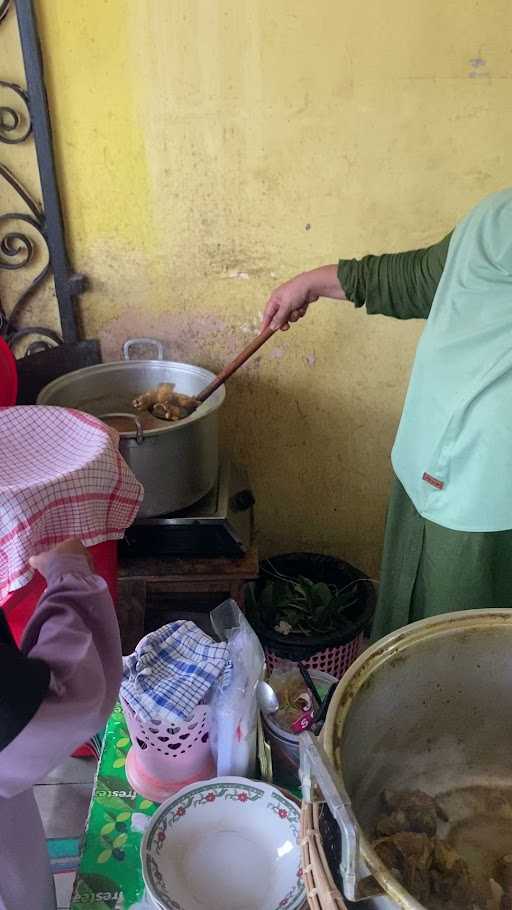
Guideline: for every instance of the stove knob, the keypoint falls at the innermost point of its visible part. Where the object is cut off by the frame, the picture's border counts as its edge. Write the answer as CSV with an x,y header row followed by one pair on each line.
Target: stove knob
x,y
242,501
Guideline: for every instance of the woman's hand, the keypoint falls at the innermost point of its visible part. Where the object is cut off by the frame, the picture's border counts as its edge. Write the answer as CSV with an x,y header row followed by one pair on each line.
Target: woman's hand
x,y
66,548
290,301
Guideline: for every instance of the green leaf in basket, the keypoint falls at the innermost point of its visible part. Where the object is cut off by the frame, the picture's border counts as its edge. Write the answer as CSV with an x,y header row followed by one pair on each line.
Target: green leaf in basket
x,y
123,817
120,840
104,856
108,828
303,584
309,607
321,594
119,762
145,804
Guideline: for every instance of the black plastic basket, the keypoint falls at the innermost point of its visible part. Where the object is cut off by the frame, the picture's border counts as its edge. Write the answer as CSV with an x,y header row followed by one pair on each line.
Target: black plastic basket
x,y
332,653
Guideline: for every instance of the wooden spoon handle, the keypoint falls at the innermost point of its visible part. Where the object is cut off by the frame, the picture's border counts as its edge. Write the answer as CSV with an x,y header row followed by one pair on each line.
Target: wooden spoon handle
x,y
235,364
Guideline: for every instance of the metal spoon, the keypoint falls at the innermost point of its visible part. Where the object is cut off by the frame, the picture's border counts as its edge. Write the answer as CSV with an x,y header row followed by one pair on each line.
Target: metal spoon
x,y
266,697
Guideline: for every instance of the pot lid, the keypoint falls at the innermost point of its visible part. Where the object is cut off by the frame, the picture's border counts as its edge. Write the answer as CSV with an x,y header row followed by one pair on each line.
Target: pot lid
x,y
8,376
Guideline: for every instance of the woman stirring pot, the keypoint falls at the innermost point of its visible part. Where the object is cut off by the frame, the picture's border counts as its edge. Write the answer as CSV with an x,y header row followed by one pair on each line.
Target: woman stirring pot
x,y
448,537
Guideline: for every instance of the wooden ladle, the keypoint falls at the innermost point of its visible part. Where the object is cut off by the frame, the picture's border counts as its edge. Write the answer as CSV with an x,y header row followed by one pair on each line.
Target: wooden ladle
x,y
194,402
235,364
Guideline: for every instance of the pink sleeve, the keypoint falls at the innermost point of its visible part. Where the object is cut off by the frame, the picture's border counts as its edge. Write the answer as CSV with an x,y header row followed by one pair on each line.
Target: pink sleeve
x,y
75,630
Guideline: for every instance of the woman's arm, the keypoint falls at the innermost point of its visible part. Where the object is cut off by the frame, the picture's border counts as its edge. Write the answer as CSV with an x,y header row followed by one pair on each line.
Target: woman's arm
x,y
402,285
75,631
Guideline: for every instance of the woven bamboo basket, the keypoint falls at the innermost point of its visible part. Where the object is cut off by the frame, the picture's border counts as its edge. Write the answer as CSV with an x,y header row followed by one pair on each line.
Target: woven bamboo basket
x,y
321,890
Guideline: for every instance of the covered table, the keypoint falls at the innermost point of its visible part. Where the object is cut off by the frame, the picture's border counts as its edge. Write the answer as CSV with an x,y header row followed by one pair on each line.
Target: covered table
x,y
110,873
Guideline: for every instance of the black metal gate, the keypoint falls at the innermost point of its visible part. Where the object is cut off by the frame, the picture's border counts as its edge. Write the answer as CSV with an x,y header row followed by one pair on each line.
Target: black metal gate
x,y
24,116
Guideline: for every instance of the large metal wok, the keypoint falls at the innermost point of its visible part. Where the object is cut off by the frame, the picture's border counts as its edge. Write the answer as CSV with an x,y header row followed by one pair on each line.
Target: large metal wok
x,y
430,708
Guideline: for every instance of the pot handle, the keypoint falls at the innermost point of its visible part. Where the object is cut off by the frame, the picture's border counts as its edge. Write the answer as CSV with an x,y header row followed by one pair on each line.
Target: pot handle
x,y
139,437
149,342
315,766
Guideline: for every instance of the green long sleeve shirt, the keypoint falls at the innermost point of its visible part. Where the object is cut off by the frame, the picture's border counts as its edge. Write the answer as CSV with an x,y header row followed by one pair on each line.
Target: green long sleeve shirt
x,y
402,285
427,569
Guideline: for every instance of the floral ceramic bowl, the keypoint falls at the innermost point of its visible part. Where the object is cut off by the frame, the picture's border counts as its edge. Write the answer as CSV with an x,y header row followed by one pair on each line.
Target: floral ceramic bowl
x,y
226,844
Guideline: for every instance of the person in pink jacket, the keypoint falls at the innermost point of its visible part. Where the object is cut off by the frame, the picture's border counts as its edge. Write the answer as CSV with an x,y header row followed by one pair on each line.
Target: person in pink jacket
x,y
55,692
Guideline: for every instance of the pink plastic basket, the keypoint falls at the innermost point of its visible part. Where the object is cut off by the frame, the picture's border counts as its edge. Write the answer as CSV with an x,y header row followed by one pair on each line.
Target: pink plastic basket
x,y
164,758
335,660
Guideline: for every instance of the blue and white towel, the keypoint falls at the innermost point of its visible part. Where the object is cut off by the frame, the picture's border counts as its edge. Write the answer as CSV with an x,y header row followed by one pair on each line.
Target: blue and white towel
x,y
171,671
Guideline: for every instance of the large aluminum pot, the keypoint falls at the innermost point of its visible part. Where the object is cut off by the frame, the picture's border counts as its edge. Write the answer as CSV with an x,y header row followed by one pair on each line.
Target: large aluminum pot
x,y
177,463
428,707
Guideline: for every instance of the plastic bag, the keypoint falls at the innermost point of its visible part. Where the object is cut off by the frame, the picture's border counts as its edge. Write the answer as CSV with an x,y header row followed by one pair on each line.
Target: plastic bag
x,y
233,707
297,707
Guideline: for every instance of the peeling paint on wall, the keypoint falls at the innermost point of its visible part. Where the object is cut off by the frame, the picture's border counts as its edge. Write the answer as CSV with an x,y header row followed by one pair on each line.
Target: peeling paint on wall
x,y
478,68
239,275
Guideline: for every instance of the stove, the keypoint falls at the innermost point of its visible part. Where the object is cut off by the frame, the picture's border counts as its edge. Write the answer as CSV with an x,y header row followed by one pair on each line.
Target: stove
x,y
219,525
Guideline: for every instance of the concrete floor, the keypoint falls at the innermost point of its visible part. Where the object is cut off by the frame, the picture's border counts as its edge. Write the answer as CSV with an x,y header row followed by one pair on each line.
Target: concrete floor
x,y
63,800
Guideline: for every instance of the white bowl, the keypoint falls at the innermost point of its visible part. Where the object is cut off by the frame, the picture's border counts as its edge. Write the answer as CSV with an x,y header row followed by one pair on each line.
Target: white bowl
x,y
225,844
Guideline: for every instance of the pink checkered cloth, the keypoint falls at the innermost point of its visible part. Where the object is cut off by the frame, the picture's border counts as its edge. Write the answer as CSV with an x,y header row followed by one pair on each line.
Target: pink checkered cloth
x,y
61,476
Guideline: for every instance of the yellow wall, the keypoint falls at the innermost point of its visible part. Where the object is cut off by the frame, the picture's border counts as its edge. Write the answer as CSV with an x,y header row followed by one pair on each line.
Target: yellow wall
x,y
209,149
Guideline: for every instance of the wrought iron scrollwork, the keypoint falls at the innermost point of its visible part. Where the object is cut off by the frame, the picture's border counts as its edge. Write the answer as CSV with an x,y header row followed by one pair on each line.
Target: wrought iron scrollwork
x,y
15,126
17,248
17,251
25,238
4,8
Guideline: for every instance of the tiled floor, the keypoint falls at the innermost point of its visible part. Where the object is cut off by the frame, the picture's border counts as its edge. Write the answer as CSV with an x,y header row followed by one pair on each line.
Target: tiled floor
x,y
63,799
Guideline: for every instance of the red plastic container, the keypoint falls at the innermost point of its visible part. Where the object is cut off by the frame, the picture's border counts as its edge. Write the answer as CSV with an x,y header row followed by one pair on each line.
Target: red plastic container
x,y
8,376
20,605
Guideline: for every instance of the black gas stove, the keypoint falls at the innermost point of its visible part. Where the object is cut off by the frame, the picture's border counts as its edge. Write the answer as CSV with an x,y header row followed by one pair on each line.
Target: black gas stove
x,y
219,525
